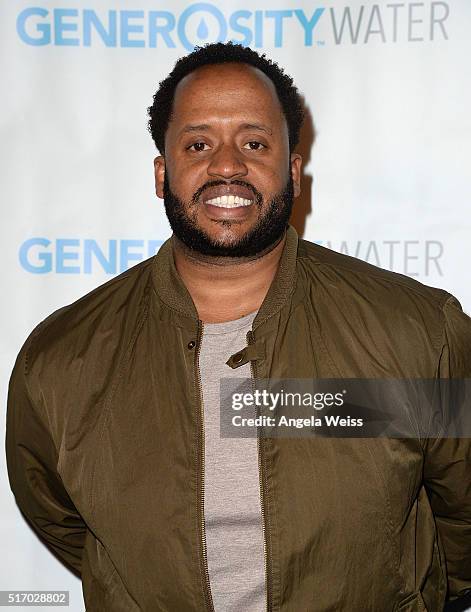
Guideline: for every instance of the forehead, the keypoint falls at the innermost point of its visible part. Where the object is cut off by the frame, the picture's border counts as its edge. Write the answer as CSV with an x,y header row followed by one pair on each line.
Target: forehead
x,y
227,92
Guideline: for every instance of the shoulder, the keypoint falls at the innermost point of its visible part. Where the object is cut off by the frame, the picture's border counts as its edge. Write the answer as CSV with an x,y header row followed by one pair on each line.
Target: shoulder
x,y
355,276
367,299
103,318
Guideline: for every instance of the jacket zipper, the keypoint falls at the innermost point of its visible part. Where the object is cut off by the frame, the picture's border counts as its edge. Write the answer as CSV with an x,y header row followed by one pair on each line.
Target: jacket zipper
x,y
262,483
206,585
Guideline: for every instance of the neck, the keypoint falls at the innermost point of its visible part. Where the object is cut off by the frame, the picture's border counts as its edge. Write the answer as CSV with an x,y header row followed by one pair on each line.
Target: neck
x,y
224,288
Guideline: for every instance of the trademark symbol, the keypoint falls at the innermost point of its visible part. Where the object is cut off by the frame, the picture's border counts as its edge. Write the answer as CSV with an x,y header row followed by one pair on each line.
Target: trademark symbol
x,y
320,43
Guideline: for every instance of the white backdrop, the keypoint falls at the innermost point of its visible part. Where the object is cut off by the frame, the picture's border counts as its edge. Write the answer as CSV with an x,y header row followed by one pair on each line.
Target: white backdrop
x,y
387,180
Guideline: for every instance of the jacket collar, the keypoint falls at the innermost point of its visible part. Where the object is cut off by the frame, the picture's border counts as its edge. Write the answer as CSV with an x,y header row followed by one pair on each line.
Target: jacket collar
x,y
172,291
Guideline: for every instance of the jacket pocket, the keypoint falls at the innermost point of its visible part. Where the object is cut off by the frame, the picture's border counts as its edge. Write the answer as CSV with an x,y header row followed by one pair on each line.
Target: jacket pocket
x,y
103,588
412,603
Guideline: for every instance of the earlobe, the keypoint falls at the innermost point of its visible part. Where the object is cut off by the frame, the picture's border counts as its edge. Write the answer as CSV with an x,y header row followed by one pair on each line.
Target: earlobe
x,y
159,173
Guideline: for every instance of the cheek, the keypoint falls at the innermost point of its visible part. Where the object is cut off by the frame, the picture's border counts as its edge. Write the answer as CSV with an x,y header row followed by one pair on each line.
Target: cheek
x,y
272,167
270,180
185,179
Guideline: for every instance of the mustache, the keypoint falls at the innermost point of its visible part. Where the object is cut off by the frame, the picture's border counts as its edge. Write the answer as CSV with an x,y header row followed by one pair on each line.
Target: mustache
x,y
216,183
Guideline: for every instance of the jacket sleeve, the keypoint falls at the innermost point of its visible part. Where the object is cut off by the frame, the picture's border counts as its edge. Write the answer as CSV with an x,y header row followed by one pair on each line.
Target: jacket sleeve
x,y
32,470
447,468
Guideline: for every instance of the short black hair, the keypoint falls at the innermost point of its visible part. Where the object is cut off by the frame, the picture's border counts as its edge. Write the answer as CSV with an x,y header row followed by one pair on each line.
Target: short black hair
x,y
220,53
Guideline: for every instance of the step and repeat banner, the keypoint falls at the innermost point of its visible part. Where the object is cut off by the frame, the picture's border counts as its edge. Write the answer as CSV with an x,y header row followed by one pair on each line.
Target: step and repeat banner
x,y
386,148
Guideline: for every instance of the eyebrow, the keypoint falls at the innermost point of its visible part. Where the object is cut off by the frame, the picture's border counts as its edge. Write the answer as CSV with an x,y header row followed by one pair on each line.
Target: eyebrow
x,y
244,126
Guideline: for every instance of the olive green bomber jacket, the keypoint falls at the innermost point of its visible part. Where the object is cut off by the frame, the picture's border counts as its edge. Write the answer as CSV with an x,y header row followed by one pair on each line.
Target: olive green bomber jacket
x,y
105,442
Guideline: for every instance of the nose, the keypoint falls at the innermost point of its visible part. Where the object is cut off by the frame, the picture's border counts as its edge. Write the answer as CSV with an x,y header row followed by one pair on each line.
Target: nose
x,y
226,162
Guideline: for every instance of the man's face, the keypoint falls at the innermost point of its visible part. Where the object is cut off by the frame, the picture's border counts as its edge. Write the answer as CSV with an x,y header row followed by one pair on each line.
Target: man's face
x,y
227,179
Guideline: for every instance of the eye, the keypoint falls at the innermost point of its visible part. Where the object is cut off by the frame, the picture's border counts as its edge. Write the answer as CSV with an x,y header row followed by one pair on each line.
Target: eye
x,y
254,145
198,146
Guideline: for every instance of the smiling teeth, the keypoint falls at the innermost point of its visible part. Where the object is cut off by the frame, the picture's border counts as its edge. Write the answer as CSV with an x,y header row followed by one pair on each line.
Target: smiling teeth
x,y
229,201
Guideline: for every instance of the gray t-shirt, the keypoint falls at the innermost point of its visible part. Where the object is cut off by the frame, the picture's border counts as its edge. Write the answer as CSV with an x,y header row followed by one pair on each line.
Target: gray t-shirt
x,y
233,521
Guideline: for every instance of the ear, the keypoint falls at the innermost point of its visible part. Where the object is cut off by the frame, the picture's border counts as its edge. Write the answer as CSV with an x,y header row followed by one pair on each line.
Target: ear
x,y
159,173
296,162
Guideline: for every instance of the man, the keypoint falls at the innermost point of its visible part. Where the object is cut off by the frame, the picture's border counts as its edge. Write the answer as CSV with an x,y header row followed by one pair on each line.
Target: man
x,y
113,444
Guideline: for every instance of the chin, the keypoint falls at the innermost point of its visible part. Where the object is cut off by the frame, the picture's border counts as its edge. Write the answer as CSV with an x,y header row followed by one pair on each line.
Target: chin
x,y
227,231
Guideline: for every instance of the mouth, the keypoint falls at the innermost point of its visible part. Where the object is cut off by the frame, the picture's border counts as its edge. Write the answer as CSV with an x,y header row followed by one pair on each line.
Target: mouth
x,y
229,201
228,196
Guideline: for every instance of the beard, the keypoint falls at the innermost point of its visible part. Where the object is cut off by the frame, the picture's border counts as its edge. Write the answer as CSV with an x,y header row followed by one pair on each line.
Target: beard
x,y
267,232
